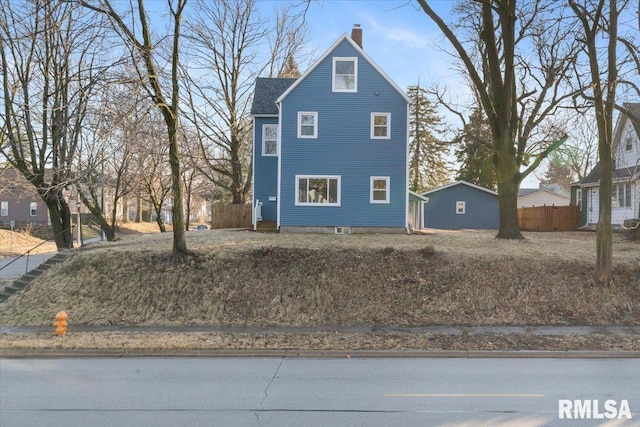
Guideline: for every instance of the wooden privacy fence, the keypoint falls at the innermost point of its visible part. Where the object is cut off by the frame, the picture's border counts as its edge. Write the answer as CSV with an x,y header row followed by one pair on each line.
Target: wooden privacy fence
x,y
231,216
549,218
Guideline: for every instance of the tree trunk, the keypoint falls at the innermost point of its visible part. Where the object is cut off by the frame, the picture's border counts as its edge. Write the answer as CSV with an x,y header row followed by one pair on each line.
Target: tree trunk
x,y
604,237
139,210
508,186
179,252
60,217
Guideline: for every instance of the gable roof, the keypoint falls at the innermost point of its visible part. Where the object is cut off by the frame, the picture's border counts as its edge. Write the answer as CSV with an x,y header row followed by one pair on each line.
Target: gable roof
x,y
477,187
265,95
593,178
554,189
632,109
360,51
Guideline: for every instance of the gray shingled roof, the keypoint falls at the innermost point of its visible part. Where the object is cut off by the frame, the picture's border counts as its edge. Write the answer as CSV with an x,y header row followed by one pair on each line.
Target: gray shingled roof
x,y
594,175
266,93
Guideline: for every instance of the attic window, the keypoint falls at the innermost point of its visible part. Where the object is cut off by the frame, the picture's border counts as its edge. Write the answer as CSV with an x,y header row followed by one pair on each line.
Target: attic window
x,y
628,143
345,75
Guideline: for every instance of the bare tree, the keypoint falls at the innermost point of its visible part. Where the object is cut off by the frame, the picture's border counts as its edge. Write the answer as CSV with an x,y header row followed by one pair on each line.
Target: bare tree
x,y
51,66
117,123
517,58
226,41
165,93
600,87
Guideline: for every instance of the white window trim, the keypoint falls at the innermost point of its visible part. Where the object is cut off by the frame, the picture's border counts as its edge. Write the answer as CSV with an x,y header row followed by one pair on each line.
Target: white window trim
x,y
388,116
463,204
31,209
615,200
579,197
327,177
4,208
264,145
379,178
355,74
315,124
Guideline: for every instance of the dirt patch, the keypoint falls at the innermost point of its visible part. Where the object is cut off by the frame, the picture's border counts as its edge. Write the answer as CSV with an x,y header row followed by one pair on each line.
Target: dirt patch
x,y
252,279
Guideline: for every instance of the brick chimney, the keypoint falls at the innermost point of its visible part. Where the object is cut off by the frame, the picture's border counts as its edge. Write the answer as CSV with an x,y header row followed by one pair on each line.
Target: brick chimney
x,y
356,34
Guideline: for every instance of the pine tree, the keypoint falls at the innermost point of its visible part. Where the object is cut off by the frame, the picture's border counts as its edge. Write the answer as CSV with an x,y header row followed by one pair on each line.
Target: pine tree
x,y
428,166
289,68
559,172
474,152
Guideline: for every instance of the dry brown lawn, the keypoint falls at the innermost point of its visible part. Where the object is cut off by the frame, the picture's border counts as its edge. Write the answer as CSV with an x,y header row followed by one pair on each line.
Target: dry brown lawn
x,y
246,278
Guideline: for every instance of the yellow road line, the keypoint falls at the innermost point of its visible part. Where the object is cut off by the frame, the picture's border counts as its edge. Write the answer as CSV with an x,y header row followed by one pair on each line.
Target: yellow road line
x,y
462,395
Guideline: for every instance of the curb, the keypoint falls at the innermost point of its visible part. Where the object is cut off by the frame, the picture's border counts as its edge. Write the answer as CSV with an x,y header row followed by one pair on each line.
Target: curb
x,y
13,353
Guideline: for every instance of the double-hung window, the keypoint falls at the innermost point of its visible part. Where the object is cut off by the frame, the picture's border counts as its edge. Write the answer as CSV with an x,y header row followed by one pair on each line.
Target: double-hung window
x,y
270,140
345,74
621,195
380,125
317,190
4,208
307,124
379,189
33,209
461,207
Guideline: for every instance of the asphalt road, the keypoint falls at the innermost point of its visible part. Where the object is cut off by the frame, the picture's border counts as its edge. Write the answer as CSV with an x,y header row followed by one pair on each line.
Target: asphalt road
x,y
312,392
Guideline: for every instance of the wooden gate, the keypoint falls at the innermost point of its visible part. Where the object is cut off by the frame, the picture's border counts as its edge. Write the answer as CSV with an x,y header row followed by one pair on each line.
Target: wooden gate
x,y
231,216
549,218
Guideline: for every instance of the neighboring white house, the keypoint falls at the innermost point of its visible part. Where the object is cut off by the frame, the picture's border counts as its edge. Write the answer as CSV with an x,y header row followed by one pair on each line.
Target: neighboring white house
x,y
549,195
625,192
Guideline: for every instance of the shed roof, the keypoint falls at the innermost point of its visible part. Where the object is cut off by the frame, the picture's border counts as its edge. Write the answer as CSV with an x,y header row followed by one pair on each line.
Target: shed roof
x,y
468,184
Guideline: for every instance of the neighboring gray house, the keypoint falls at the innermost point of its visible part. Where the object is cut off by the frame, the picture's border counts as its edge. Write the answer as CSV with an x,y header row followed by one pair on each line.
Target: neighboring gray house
x,y
461,205
20,203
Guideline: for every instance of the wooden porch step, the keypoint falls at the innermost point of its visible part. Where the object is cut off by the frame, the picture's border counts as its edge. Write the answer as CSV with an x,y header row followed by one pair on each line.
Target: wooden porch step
x,y
267,227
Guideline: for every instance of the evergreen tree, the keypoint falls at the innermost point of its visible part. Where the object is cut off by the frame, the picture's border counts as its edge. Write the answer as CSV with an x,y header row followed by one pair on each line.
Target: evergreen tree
x,y
474,152
289,68
428,166
559,172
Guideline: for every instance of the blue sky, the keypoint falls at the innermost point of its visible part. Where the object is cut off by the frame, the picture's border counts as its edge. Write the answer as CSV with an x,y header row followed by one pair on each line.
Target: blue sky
x,y
400,38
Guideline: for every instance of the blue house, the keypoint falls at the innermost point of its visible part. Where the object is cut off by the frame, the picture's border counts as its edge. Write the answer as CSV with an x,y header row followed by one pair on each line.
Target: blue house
x,y
330,148
461,205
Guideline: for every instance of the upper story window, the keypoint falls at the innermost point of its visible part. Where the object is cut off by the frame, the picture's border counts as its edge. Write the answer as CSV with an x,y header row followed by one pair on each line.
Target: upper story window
x,y
33,208
379,189
307,124
269,140
380,125
628,144
461,207
4,208
345,75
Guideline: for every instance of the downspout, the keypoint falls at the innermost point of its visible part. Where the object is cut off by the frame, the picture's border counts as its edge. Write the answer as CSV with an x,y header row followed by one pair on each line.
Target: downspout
x,y
279,174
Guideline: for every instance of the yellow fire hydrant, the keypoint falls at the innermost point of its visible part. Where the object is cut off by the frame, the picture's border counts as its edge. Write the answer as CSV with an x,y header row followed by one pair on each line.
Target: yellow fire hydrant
x,y
61,323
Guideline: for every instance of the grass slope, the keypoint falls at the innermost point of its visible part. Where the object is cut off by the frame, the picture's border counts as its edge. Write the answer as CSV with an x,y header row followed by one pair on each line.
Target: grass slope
x,y
244,278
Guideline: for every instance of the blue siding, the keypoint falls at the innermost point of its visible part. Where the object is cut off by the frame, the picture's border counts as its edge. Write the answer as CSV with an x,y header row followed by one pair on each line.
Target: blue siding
x,y
344,147
265,174
481,209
